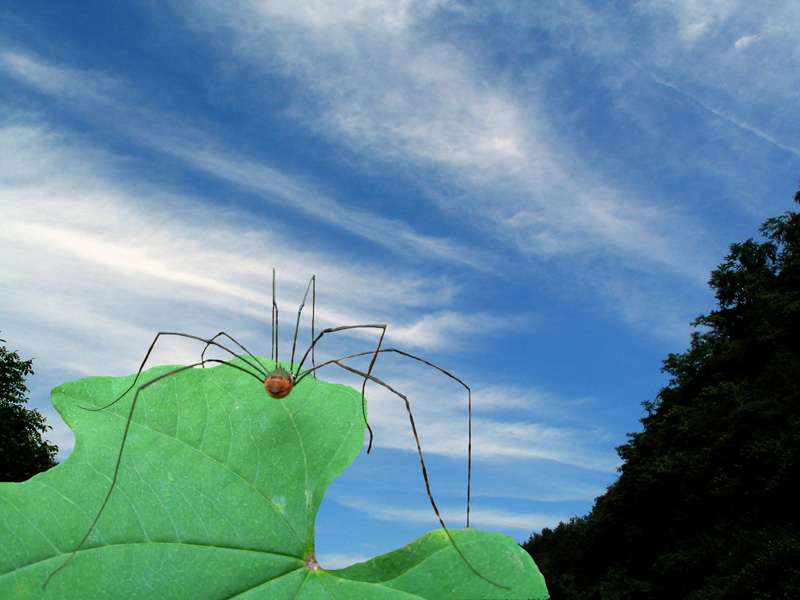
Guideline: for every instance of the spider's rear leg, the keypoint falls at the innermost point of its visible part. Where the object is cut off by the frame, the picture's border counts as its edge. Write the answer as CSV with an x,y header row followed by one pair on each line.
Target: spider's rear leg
x,y
208,342
469,409
422,463
124,440
299,377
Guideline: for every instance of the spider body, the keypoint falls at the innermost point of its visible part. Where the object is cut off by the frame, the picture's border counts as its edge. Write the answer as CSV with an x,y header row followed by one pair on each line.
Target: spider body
x,y
279,383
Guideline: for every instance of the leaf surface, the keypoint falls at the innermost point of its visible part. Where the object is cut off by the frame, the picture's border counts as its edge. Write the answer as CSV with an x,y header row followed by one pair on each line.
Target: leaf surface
x,y
217,493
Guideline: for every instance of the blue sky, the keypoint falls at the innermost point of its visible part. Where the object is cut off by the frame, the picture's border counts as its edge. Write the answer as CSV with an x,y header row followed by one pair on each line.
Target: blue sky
x,y
530,195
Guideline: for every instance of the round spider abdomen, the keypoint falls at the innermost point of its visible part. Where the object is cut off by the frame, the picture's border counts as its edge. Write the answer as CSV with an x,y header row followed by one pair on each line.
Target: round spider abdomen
x,y
279,383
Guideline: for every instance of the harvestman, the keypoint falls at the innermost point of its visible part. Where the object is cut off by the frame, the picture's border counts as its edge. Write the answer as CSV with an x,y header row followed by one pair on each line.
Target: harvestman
x,y
279,383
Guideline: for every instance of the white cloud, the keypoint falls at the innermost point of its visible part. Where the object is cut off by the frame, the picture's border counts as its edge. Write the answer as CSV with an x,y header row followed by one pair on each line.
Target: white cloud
x,y
436,330
743,42
453,517
69,201
706,57
693,18
102,261
377,77
332,560
441,421
489,156
65,82
508,424
398,97
733,120
98,96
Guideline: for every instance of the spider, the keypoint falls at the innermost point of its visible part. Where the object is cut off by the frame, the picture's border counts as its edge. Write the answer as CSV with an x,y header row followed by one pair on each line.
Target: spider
x,y
279,383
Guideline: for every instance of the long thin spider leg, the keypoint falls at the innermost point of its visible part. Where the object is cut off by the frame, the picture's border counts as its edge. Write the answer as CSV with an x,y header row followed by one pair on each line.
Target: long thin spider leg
x,y
313,310
469,408
274,322
256,365
369,370
319,337
299,311
122,447
150,350
422,463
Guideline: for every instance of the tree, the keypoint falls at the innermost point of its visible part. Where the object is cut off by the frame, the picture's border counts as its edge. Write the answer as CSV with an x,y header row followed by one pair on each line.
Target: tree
x,y
705,504
23,453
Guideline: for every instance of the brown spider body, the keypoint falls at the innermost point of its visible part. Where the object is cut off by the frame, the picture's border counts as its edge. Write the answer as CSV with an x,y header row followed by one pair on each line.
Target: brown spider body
x,y
279,383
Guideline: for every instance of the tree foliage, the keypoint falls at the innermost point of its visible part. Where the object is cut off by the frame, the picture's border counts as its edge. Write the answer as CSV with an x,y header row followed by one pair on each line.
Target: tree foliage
x,y
705,504
23,452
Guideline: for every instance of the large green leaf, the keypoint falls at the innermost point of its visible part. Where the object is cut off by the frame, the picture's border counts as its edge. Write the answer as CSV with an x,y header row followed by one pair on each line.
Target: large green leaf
x,y
217,494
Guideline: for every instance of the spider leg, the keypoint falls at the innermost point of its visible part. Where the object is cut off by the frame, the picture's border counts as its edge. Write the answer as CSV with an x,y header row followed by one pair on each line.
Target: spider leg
x,y
422,463
469,408
299,376
274,322
210,342
124,439
312,284
255,364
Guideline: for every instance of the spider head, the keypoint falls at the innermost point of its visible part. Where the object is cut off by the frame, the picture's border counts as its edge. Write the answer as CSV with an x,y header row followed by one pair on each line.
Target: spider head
x,y
279,383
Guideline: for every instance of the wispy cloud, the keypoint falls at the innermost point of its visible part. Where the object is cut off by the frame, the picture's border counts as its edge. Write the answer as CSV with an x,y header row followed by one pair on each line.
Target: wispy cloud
x,y
482,518
292,193
509,173
332,560
376,77
102,256
98,96
723,114
441,417
142,234
735,59
69,84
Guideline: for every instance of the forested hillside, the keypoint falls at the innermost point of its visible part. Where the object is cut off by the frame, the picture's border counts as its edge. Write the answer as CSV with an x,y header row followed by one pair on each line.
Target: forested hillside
x,y
705,505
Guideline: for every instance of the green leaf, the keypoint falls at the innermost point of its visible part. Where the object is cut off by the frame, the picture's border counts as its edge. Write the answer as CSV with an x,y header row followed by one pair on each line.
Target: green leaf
x,y
217,493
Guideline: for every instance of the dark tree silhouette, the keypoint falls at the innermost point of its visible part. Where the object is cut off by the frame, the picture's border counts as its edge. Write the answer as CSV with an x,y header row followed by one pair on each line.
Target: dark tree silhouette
x,y
23,453
706,504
